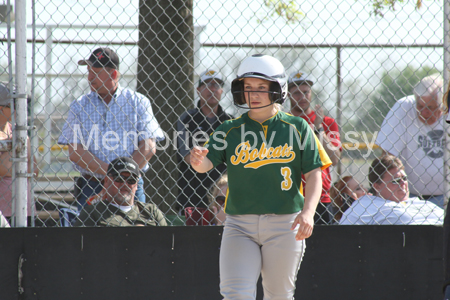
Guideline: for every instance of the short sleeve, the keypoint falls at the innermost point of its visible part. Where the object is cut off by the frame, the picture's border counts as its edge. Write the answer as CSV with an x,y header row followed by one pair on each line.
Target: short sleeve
x,y
72,123
314,155
392,130
147,122
217,146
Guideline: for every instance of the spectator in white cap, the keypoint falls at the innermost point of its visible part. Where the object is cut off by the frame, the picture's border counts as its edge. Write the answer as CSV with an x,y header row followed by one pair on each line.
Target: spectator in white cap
x,y
109,122
194,128
326,129
6,134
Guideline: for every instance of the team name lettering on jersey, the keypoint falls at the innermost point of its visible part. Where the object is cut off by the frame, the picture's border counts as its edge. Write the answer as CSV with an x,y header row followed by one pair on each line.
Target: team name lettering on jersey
x,y
254,158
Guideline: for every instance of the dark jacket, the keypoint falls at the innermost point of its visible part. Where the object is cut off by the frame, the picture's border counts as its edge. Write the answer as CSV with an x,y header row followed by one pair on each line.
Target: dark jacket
x,y
103,214
193,186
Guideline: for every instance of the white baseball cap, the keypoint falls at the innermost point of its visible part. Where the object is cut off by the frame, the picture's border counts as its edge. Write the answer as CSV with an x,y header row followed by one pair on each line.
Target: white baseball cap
x,y
300,77
210,74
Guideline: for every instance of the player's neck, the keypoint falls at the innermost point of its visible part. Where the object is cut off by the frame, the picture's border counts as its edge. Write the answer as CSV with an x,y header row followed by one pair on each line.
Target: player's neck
x,y
262,114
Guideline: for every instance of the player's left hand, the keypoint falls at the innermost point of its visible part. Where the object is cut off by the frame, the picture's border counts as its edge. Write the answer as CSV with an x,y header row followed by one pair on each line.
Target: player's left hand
x,y
306,225
319,115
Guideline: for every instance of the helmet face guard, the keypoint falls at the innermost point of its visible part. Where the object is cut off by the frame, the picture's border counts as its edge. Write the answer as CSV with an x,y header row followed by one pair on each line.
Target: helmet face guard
x,y
263,67
275,94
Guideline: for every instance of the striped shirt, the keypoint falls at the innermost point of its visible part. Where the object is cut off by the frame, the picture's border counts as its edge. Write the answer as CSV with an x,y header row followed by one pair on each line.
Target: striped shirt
x,y
110,130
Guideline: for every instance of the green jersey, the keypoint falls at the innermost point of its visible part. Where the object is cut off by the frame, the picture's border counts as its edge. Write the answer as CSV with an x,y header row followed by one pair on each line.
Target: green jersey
x,y
265,162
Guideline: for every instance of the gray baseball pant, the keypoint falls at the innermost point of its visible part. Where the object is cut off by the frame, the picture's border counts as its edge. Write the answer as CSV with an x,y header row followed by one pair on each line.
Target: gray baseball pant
x,y
259,244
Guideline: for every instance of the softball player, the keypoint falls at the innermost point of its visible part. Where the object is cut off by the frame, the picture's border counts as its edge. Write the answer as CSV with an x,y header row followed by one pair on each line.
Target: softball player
x,y
266,152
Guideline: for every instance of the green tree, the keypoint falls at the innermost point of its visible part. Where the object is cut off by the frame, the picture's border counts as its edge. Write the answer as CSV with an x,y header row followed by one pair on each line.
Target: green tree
x,y
290,9
395,84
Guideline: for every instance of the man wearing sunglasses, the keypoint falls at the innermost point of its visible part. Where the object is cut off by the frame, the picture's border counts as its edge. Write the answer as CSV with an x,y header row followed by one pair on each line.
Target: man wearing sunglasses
x,y
115,206
390,203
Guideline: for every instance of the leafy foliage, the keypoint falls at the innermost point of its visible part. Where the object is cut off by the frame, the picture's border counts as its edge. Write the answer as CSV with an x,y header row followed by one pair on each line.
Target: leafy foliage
x,y
395,84
379,6
289,9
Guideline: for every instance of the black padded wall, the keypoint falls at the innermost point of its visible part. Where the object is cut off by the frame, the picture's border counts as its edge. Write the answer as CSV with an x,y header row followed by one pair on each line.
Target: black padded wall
x,y
341,262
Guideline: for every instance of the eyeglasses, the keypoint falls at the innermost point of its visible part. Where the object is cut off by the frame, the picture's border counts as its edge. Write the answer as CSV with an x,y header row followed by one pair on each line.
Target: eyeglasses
x,y
129,180
399,180
220,200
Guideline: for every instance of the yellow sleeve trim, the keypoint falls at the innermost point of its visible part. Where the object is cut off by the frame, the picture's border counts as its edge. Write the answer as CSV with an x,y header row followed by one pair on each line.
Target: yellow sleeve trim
x,y
326,161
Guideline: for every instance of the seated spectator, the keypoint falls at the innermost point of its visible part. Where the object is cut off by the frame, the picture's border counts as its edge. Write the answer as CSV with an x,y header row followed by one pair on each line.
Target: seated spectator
x,y
343,193
115,205
6,133
217,201
413,131
390,203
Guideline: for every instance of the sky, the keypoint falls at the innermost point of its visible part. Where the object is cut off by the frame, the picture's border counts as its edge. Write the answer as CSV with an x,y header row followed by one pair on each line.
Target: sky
x,y
233,21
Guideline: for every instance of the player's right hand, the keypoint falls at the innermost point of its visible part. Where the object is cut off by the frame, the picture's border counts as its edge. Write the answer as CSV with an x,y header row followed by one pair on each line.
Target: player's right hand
x,y
319,115
305,224
197,155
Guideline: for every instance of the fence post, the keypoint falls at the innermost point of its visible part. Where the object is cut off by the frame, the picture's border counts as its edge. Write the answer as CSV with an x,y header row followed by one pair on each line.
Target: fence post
x,y
20,147
446,51
338,99
48,95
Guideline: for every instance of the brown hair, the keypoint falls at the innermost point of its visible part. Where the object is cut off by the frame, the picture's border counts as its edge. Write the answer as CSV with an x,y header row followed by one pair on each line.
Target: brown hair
x,y
380,166
339,188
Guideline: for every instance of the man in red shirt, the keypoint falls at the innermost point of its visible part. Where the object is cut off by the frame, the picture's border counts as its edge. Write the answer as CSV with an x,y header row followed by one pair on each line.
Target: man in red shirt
x,y
326,129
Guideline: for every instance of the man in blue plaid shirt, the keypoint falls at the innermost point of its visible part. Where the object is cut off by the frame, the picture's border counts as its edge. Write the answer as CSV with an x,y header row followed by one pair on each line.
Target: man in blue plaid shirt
x,y
107,123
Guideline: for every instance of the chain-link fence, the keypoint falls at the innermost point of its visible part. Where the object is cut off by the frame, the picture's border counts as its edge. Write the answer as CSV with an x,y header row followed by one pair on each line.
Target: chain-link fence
x,y
360,65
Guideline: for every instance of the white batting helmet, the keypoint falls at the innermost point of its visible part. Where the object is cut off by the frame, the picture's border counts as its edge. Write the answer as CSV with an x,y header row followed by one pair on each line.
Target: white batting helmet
x,y
263,67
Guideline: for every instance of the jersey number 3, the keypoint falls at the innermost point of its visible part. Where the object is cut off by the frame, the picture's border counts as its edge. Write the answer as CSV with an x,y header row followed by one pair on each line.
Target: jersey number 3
x,y
286,184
